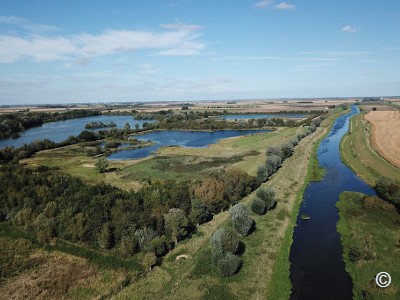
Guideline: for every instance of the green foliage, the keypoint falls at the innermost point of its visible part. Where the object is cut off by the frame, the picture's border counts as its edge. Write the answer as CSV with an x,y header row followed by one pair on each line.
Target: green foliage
x,y
262,174
229,264
287,149
158,245
275,150
101,164
199,211
241,219
106,236
223,240
144,237
273,162
148,261
176,224
389,189
258,206
129,245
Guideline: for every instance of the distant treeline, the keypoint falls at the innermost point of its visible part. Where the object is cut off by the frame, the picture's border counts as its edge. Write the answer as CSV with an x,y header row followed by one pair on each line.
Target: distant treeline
x,y
51,205
93,125
12,124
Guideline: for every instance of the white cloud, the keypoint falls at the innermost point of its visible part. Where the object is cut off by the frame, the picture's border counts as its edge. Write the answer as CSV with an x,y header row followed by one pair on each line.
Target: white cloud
x,y
263,3
180,39
285,6
26,24
349,29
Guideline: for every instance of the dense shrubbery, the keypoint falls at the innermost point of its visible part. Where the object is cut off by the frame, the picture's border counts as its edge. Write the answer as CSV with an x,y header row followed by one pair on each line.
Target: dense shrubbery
x,y
264,201
241,219
389,190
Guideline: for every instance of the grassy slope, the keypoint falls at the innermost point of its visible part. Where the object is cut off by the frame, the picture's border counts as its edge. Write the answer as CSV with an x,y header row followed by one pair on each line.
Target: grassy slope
x,y
374,234
196,277
358,154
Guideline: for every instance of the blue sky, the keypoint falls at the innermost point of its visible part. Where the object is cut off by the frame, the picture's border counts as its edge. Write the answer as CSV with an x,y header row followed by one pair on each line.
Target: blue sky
x,y
94,51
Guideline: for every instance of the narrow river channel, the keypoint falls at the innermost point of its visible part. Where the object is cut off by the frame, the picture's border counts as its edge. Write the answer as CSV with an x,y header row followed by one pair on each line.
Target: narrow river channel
x,y
317,270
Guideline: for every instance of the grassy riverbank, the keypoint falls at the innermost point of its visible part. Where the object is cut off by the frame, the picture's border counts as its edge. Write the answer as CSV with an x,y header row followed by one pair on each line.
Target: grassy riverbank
x,y
369,231
358,153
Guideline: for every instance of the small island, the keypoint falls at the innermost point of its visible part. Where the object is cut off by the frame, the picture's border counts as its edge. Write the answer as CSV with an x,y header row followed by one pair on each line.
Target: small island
x,y
93,125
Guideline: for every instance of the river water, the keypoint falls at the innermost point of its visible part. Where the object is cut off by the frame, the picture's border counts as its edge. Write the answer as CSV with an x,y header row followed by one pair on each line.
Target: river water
x,y
317,270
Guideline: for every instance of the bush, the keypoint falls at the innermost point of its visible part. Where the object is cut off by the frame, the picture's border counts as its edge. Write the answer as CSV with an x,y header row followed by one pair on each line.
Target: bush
x,y
388,189
268,196
229,264
262,174
287,149
129,245
258,206
223,240
295,142
145,236
273,163
276,151
101,164
241,219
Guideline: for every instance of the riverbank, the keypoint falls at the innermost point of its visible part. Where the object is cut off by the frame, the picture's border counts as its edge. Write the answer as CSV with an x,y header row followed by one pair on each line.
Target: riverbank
x,y
280,286
369,233
358,153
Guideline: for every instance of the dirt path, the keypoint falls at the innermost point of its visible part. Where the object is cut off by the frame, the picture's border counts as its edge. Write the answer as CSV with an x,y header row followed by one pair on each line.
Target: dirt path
x,y
386,134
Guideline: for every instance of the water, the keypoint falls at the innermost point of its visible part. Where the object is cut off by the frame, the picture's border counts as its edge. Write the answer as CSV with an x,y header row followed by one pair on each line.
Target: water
x,y
262,116
194,139
317,270
61,130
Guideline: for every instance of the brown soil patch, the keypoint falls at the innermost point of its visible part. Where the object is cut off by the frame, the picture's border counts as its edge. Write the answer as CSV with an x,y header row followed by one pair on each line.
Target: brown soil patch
x,y
386,134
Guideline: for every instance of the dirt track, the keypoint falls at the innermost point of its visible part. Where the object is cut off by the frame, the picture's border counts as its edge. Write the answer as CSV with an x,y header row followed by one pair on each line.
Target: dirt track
x,y
386,134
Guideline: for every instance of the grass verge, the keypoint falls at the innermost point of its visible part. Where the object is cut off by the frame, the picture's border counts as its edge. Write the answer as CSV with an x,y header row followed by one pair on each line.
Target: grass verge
x,y
370,238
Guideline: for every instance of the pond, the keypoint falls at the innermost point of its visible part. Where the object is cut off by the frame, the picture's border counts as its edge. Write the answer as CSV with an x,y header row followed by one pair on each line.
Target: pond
x,y
61,130
194,139
317,269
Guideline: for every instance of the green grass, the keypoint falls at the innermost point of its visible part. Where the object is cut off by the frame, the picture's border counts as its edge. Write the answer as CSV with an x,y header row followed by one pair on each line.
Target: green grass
x,y
358,154
371,244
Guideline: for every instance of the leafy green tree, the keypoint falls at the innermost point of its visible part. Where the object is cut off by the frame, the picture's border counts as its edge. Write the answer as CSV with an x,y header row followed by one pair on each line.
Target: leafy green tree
x,y
287,149
223,240
176,224
127,127
158,245
149,260
258,206
199,211
101,164
145,236
241,219
389,189
106,236
129,245
273,162
262,174
276,150
229,264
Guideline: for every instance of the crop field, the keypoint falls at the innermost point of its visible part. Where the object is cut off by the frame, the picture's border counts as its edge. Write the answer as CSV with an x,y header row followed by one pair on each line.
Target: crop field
x,y
358,152
385,134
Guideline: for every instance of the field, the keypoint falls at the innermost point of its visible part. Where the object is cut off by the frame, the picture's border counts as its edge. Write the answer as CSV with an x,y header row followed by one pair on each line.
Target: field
x,y
386,134
371,242
180,279
358,153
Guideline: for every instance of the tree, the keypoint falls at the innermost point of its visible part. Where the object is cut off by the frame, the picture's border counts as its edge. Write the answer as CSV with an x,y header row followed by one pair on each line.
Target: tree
x,y
199,211
258,206
144,237
229,264
176,223
136,126
389,189
273,163
287,149
276,151
106,237
268,196
223,240
101,164
129,245
262,174
241,219
149,260
127,127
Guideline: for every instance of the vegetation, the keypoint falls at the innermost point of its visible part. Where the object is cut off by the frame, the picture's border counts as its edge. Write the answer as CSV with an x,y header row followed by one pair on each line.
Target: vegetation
x,y
389,190
368,230
101,164
358,154
93,125
241,219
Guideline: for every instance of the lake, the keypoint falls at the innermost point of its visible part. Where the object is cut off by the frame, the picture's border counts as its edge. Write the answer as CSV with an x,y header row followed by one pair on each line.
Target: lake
x,y
59,131
193,139
317,269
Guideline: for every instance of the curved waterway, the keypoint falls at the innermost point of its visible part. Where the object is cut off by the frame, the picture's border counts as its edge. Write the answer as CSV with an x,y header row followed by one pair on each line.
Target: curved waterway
x,y
317,269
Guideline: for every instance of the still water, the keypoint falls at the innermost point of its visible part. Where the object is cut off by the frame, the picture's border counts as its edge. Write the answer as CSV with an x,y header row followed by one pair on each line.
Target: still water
x,y
194,139
61,130
317,269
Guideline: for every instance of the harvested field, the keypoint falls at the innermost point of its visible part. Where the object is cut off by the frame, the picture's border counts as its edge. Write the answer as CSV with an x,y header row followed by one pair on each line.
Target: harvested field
x,y
386,134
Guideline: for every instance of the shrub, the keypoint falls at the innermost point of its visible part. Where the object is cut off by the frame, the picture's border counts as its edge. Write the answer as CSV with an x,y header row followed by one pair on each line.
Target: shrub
x,y
287,149
223,240
294,142
241,219
229,264
258,206
262,174
145,236
276,151
273,163
388,189
101,164
129,245
199,212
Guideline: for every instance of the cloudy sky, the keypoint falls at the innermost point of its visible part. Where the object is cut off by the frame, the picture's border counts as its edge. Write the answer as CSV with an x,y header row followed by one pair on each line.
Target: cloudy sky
x,y
95,51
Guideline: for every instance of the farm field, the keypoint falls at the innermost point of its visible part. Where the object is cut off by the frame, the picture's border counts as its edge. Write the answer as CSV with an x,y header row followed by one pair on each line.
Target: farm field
x,y
357,152
385,134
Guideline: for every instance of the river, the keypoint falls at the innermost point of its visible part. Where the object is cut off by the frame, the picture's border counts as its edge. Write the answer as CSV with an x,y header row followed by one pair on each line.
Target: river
x,y
317,269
